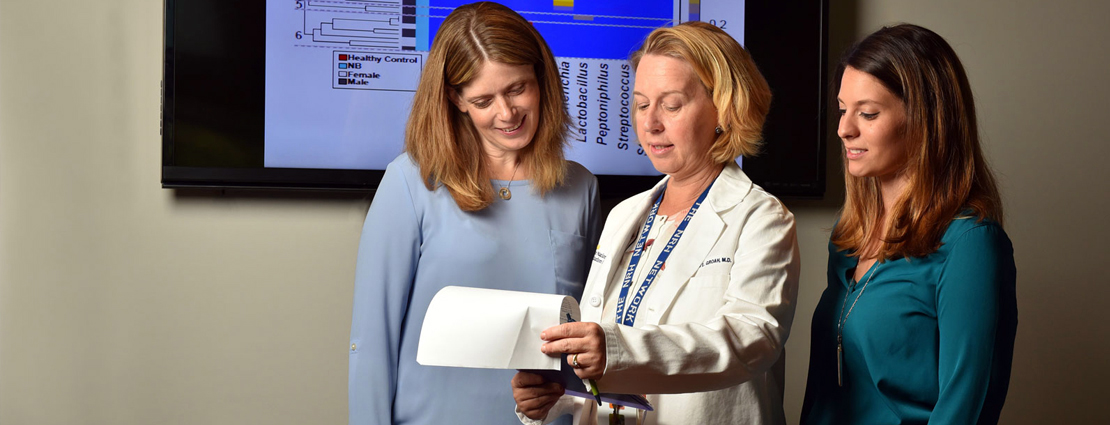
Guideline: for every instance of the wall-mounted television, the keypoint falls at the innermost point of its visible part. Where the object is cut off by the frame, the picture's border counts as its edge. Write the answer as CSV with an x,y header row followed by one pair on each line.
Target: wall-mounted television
x,y
314,94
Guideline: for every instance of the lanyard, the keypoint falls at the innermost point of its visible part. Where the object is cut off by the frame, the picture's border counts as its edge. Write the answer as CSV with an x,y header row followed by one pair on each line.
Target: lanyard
x,y
633,307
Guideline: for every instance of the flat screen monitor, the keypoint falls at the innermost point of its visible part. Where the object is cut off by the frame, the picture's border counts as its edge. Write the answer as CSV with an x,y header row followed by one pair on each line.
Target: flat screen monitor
x,y
306,94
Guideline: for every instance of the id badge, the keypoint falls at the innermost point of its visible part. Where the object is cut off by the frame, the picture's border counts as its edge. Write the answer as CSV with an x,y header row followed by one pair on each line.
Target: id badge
x,y
612,414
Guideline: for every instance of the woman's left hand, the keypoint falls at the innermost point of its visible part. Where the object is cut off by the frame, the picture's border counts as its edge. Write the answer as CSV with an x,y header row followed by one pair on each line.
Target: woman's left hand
x,y
581,341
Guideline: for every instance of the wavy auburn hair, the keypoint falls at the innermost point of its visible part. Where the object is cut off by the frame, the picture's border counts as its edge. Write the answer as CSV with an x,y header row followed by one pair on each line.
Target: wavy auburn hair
x,y
729,75
946,170
443,141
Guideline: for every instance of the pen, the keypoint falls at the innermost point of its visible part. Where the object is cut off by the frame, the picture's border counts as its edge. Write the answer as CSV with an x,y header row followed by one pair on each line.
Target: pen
x,y
593,390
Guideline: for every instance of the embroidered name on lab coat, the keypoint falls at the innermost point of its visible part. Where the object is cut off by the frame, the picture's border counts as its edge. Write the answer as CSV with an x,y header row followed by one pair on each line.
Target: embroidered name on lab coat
x,y
715,261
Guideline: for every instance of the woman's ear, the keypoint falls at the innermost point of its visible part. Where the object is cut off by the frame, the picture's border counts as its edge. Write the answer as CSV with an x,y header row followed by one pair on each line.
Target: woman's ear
x,y
453,95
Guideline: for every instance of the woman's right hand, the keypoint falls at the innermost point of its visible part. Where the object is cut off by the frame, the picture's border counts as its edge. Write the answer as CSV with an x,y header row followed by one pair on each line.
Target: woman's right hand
x,y
534,396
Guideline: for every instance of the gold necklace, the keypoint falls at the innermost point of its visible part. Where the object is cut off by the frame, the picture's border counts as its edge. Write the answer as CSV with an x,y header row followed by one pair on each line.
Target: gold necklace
x,y
840,326
504,192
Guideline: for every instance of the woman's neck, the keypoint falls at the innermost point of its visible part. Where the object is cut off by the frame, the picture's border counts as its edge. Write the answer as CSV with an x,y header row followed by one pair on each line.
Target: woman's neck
x,y
504,166
891,189
682,192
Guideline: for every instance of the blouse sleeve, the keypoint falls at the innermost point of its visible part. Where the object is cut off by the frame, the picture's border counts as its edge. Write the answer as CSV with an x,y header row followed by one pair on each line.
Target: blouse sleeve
x,y
977,320
387,258
744,338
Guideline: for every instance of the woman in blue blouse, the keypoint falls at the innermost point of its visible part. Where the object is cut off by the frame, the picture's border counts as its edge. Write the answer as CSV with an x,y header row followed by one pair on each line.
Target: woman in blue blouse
x,y
917,324
482,197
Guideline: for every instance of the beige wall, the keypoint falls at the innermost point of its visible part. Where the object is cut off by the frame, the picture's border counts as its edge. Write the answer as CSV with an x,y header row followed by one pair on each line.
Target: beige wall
x,y
122,303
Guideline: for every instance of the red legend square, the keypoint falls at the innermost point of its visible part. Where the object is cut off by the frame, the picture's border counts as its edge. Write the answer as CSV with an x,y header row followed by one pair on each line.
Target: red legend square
x,y
342,57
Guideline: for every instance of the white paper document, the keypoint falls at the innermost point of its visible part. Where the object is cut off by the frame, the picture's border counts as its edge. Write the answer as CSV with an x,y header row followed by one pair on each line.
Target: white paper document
x,y
490,328
495,329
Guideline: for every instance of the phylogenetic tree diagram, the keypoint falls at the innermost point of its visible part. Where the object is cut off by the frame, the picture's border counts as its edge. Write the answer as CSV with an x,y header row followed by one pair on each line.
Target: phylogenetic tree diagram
x,y
572,28
377,24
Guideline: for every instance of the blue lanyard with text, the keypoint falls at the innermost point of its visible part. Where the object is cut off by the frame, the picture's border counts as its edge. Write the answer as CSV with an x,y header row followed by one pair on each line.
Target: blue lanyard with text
x,y
630,318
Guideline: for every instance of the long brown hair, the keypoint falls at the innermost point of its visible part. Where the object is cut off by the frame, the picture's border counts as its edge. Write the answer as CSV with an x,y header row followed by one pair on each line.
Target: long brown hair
x,y
729,75
947,173
443,141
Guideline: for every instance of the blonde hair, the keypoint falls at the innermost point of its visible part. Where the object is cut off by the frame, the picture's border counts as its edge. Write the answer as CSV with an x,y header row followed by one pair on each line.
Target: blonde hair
x,y
947,172
727,72
443,141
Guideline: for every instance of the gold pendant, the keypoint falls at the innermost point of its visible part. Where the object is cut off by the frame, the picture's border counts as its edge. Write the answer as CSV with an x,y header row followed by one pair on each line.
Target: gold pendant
x,y
505,194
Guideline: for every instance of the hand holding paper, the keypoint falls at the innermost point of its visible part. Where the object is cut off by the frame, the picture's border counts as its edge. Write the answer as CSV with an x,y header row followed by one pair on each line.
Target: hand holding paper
x,y
581,341
534,395
488,328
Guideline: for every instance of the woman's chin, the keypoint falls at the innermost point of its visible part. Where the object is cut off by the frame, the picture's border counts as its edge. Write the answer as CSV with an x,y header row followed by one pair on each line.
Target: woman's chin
x,y
660,165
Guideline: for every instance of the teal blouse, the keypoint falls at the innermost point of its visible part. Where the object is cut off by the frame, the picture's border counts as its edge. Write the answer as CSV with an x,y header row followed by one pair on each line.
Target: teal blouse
x,y
930,340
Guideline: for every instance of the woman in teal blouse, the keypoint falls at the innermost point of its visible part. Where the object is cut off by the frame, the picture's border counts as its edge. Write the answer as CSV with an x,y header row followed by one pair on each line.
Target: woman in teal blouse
x,y
917,324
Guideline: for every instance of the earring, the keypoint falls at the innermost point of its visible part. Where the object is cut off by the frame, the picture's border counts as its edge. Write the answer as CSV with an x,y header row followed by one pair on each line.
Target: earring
x,y
718,130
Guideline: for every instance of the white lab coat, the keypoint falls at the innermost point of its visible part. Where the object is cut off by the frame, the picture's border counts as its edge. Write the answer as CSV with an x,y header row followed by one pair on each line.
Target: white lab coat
x,y
713,324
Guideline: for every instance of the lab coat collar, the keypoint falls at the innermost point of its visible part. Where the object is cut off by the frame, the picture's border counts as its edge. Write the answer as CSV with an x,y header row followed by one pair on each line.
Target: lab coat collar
x,y
730,188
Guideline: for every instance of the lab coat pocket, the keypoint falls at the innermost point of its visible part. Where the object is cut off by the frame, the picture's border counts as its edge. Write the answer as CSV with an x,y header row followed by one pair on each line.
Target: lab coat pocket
x,y
571,258
700,298
709,282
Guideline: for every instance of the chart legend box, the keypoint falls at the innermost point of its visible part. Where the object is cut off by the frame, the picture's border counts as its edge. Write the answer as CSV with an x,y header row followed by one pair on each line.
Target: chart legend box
x,y
377,71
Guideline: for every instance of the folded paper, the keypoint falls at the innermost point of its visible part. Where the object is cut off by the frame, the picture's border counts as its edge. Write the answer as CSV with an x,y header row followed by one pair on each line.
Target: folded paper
x,y
490,328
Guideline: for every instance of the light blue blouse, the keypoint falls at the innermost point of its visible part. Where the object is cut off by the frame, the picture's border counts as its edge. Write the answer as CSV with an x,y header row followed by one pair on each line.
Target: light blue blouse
x,y
929,341
414,243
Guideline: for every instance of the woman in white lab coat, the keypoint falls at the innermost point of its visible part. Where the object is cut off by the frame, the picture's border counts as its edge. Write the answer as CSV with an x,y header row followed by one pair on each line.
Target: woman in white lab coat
x,y
692,290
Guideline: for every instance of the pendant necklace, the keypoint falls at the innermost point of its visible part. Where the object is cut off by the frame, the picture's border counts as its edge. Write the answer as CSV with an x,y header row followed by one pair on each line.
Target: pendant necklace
x,y
504,192
840,326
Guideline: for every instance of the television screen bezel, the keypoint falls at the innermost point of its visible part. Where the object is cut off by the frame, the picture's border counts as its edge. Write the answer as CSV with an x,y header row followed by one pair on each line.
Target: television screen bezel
x,y
786,70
